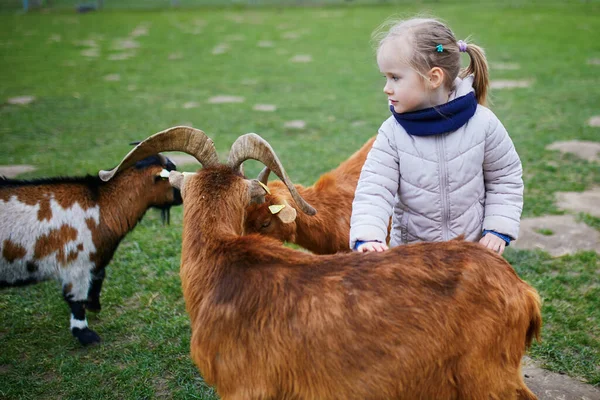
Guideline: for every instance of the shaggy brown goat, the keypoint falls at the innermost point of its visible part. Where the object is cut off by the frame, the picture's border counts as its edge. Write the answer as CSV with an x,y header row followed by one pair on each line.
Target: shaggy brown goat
x,y
425,321
69,228
332,195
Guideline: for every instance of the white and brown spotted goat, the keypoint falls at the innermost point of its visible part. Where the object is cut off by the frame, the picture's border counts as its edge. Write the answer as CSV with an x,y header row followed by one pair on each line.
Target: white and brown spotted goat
x,y
69,229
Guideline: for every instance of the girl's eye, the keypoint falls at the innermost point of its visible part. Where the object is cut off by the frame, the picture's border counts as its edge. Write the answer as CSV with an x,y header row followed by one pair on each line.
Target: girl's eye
x,y
395,78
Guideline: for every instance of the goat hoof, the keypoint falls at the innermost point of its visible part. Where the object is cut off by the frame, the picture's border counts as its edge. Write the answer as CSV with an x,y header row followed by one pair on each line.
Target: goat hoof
x,y
86,336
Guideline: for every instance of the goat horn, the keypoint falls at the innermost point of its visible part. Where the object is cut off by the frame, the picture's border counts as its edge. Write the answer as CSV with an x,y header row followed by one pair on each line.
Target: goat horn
x,y
252,146
264,175
180,138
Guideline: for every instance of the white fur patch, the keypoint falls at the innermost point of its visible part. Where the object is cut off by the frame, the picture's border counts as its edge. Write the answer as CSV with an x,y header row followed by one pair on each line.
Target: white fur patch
x,y
19,223
77,323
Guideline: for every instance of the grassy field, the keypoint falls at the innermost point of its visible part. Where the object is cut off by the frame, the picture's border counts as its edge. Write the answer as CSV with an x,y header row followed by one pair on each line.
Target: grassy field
x,y
83,120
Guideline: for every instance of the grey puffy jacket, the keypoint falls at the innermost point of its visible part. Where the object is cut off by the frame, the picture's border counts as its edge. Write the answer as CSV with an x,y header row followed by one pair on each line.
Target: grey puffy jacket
x,y
439,186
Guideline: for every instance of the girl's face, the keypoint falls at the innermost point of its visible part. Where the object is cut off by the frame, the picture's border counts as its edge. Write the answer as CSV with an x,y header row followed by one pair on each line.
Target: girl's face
x,y
405,88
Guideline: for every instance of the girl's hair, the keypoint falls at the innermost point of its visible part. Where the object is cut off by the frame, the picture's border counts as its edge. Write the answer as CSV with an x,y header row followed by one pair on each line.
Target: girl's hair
x,y
423,36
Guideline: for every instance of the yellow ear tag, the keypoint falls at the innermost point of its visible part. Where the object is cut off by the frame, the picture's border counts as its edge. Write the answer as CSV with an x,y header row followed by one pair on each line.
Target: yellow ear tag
x,y
275,208
164,174
266,190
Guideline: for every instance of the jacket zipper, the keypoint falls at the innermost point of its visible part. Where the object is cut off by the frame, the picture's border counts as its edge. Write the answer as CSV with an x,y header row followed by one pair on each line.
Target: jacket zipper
x,y
441,141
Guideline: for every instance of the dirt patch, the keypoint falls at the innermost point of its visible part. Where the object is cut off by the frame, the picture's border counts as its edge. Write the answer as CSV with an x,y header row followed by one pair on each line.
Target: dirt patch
x,y
552,386
581,148
561,235
594,61
586,202
11,171
510,84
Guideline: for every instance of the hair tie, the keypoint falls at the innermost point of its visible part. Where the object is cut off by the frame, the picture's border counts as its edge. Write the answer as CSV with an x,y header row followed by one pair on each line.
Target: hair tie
x,y
462,46
439,48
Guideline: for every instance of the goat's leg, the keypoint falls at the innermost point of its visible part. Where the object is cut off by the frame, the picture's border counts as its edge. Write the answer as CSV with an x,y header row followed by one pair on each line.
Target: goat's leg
x,y
93,301
75,291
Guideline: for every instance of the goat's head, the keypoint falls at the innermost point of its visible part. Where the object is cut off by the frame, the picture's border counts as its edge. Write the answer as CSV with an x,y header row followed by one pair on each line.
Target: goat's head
x,y
217,194
157,188
274,217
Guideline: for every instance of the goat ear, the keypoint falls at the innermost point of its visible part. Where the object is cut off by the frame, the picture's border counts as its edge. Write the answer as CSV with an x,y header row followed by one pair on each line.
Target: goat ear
x,y
285,212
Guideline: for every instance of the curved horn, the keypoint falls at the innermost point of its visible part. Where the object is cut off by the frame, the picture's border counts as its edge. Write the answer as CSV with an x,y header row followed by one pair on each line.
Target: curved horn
x,y
264,175
252,146
180,138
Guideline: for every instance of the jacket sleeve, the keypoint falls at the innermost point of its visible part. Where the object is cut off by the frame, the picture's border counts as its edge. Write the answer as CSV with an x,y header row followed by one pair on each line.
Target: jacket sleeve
x,y
503,176
376,189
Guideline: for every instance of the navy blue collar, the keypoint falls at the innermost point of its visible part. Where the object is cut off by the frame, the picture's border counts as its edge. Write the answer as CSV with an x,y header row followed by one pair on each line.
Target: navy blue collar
x,y
433,121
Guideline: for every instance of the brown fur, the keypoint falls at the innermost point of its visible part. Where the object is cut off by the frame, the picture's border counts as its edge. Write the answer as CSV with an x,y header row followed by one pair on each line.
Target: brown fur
x,y
425,321
12,251
327,232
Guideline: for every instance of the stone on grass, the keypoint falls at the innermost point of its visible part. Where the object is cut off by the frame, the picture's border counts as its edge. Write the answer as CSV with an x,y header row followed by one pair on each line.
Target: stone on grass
x,y
510,84
21,100
235,38
220,48
140,30
112,77
594,122
265,107
586,202
125,44
225,99
581,148
265,43
93,52
121,56
11,171
301,58
295,124
190,104
552,386
290,35
567,235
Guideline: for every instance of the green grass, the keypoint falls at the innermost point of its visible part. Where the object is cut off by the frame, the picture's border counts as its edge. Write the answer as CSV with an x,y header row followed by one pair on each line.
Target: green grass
x,y
81,123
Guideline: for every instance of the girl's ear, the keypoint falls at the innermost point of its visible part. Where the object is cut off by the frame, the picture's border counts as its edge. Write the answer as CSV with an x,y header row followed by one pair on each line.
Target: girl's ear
x,y
436,77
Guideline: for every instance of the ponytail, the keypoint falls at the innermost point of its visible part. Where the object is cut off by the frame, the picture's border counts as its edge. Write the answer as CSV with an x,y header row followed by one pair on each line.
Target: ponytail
x,y
478,66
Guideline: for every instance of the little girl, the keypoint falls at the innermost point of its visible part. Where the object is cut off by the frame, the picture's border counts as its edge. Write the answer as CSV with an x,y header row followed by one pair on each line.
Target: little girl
x,y
443,162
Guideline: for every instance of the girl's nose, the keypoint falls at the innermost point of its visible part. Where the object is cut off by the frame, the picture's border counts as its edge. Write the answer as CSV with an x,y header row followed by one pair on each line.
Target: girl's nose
x,y
387,90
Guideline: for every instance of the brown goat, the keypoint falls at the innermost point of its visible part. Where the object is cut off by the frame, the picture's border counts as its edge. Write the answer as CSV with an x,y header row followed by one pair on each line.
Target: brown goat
x,y
425,321
69,228
332,195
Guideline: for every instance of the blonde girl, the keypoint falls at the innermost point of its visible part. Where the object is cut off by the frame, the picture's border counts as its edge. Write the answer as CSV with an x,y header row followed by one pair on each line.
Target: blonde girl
x,y
442,164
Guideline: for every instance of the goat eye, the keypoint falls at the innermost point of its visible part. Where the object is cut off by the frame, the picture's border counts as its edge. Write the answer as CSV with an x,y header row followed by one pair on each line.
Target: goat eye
x,y
266,223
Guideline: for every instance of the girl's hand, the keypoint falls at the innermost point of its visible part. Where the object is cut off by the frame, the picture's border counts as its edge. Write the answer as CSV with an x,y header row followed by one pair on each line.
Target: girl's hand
x,y
493,243
371,246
